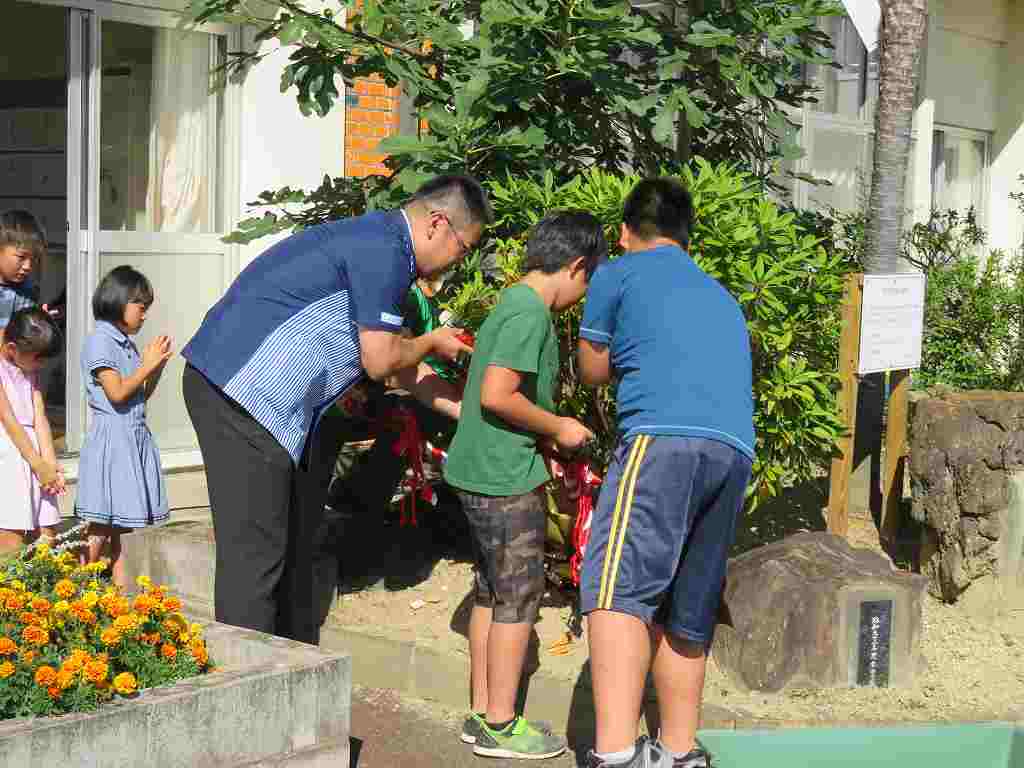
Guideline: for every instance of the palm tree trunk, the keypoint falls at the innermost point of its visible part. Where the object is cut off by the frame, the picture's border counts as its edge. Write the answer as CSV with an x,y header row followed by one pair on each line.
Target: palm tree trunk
x,y
901,41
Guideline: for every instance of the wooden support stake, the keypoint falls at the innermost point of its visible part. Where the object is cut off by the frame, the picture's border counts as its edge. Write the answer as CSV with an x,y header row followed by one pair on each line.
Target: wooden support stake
x,y
849,357
895,455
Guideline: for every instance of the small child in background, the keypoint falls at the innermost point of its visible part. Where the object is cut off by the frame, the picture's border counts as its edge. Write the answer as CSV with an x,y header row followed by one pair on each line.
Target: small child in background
x,y
22,250
120,482
30,477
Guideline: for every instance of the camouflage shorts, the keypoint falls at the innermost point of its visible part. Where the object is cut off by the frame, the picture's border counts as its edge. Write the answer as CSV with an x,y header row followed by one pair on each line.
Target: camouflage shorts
x,y
508,541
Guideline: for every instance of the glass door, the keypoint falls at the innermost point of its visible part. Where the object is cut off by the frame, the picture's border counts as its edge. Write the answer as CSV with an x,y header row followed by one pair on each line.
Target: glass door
x,y
36,167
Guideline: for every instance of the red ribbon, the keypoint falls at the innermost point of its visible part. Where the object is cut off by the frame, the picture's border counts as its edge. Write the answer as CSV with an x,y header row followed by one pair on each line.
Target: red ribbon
x,y
585,482
410,446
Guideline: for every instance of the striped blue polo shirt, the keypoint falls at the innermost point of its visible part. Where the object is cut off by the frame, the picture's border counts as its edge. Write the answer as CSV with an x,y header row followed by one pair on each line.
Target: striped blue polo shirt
x,y
283,342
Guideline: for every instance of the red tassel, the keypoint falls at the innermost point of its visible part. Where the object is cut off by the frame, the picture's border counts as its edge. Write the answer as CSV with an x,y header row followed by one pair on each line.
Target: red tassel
x,y
579,475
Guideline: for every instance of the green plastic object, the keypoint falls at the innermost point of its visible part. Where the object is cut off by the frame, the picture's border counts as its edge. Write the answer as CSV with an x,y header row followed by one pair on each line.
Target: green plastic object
x,y
982,745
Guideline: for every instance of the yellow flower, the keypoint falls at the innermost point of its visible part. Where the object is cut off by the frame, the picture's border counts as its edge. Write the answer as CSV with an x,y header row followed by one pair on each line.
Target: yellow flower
x,y
94,585
65,588
65,679
35,635
168,651
195,630
42,550
41,605
7,647
144,582
28,655
67,570
46,676
6,669
110,636
125,683
18,585
61,607
96,671
89,599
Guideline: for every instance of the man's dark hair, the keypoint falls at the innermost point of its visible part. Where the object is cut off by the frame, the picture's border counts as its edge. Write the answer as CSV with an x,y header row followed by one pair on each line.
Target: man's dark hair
x,y
33,332
22,230
461,197
118,289
562,237
660,207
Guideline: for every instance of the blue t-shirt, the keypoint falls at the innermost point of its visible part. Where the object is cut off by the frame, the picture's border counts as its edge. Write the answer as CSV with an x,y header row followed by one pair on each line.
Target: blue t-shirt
x,y
678,346
283,342
16,297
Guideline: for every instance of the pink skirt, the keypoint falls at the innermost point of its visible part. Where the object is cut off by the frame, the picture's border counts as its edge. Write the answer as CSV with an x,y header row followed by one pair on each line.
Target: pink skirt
x,y
25,506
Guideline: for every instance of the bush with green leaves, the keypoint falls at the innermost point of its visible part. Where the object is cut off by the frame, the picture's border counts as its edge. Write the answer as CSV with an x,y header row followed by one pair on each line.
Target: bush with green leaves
x,y
787,282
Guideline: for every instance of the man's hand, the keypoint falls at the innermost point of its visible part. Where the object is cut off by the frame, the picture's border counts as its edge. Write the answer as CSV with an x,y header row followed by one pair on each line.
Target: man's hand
x,y
447,344
571,434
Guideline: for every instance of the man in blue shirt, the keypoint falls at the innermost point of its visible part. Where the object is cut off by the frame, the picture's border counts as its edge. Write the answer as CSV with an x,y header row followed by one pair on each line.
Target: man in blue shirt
x,y
677,344
300,325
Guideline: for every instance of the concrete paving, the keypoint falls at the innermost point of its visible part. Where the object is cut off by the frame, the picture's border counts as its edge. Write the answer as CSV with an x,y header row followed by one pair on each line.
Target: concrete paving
x,y
390,731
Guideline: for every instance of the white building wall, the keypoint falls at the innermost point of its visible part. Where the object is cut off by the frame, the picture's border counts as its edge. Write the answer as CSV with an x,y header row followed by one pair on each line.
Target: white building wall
x,y
1005,220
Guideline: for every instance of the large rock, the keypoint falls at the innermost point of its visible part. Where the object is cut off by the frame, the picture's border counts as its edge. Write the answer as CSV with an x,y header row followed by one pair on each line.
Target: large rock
x,y
812,611
967,481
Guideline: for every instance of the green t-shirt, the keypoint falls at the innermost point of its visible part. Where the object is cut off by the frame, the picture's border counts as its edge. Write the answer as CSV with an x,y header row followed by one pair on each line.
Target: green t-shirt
x,y
421,317
488,455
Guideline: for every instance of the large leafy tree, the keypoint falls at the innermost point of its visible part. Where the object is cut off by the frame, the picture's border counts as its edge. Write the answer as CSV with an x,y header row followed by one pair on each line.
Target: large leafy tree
x,y
546,85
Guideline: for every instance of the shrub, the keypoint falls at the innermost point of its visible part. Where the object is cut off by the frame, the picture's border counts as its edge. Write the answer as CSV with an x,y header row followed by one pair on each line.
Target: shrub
x,y
70,640
788,284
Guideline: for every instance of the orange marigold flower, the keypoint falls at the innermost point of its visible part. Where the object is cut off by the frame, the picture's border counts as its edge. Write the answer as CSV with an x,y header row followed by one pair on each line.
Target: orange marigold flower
x,y
65,679
65,588
6,669
168,651
41,605
199,654
46,676
125,683
83,614
110,636
96,671
15,602
151,638
54,691
35,635
172,604
7,646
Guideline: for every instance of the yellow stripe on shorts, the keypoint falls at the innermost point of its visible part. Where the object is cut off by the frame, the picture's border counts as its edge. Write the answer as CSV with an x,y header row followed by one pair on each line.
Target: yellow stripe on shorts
x,y
620,519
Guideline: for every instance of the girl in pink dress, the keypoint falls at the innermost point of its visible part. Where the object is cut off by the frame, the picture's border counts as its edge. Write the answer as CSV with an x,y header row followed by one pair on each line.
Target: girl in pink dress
x,y
30,477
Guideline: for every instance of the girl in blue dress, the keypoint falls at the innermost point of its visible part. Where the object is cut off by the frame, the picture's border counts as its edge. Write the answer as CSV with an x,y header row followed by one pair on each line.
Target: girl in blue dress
x,y
120,483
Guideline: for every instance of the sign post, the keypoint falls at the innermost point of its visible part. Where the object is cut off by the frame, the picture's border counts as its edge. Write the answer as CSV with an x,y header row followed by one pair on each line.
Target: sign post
x,y
883,326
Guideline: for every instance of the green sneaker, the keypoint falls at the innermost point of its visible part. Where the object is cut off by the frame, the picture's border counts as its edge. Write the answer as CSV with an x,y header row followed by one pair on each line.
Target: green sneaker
x,y
521,740
473,724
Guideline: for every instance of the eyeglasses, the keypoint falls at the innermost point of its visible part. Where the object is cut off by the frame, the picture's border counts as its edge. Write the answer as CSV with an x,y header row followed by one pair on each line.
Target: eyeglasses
x,y
458,238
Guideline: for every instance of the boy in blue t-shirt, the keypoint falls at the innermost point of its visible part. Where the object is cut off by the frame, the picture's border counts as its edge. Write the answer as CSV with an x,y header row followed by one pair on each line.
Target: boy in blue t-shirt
x,y
653,572
22,249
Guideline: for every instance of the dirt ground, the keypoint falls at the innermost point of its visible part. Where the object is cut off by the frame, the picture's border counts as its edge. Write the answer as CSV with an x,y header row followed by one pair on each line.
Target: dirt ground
x,y
973,669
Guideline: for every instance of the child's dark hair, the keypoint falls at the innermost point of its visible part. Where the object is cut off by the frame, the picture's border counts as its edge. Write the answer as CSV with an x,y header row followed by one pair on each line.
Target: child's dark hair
x,y
22,230
121,286
33,332
564,236
660,207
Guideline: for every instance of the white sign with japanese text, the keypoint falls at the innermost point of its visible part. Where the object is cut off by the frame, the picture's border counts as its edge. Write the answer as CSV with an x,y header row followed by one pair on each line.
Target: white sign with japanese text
x,y
891,323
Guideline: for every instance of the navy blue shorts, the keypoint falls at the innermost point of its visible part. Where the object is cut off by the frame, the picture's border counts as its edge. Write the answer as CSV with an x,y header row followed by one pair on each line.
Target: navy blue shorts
x,y
662,530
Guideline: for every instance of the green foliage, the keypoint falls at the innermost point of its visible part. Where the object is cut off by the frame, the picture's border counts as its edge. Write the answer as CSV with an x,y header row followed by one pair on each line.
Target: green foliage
x,y
543,85
788,284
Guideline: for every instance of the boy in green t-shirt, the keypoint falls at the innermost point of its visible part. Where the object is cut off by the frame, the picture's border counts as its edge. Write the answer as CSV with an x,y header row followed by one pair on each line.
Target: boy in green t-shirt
x,y
496,464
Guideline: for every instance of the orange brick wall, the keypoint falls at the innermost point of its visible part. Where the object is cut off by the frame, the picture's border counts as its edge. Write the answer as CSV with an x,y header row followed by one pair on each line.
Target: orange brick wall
x,y
371,113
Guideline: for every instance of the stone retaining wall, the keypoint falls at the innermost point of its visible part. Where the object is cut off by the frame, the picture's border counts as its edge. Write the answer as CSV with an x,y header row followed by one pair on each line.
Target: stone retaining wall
x,y
967,482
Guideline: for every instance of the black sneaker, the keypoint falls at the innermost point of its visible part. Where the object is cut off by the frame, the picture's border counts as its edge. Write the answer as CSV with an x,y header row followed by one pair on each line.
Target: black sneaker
x,y
698,757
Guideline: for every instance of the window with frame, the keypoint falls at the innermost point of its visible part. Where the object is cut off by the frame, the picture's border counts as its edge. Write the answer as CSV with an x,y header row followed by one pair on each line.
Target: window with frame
x,y
960,159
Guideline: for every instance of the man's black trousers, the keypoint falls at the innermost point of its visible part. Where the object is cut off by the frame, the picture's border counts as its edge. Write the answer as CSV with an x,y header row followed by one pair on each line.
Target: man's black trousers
x,y
268,514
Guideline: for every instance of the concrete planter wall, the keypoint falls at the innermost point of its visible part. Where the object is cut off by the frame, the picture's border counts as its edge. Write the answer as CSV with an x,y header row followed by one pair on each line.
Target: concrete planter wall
x,y
274,702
